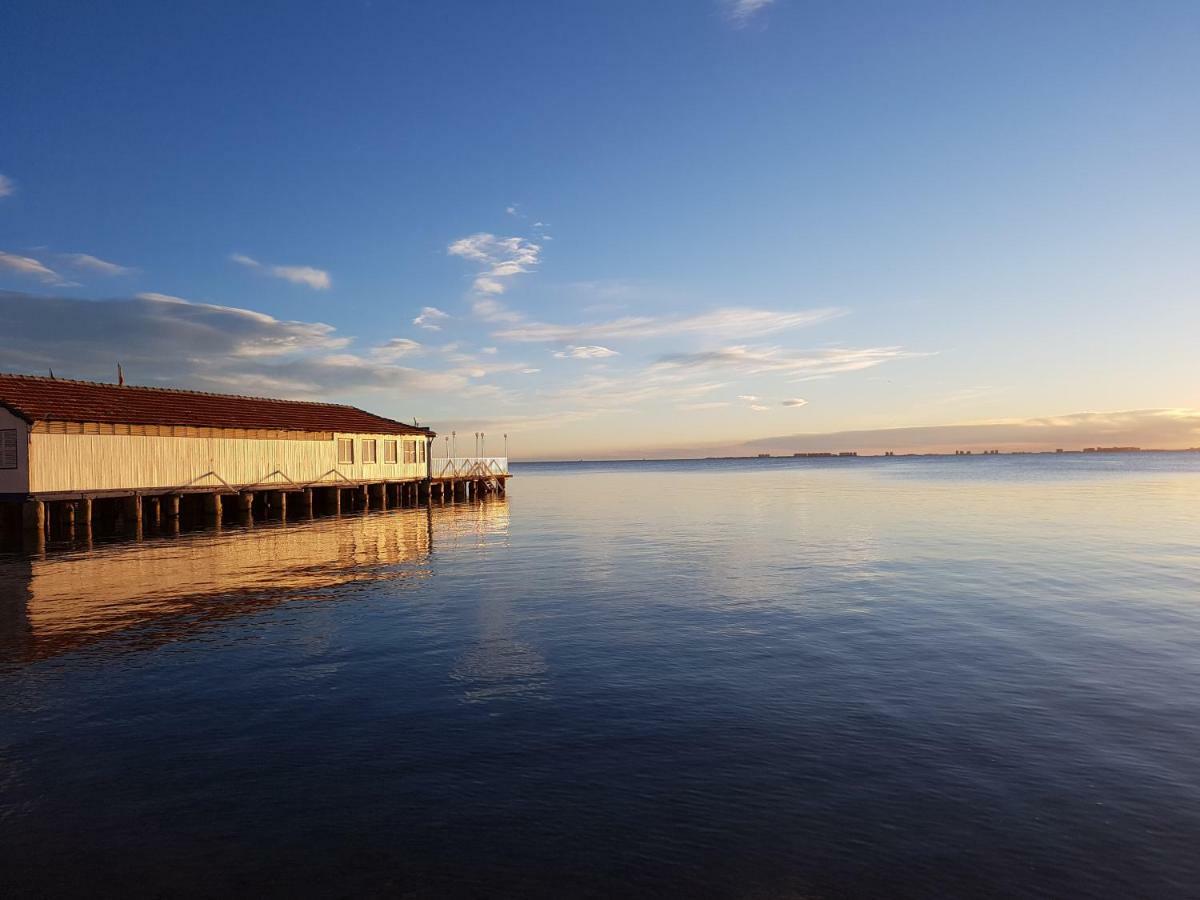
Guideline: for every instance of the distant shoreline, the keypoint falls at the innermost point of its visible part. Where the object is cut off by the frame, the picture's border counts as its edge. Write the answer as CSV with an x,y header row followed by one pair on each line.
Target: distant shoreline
x,y
820,457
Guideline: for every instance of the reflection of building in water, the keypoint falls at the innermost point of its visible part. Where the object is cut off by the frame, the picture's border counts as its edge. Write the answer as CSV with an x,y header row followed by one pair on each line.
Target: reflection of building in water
x,y
150,592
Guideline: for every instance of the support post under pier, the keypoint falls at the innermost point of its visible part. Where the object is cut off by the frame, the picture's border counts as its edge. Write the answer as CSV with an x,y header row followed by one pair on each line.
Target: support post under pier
x,y
212,507
33,523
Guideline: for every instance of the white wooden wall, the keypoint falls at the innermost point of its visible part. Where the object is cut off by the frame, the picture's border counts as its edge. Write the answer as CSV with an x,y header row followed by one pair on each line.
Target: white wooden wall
x,y
104,462
16,481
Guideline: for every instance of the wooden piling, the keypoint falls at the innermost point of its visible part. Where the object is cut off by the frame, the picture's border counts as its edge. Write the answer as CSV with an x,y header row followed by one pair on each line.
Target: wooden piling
x,y
171,505
33,521
131,511
212,507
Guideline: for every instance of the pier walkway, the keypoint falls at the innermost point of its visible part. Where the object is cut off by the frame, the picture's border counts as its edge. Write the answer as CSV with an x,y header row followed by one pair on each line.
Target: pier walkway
x,y
209,497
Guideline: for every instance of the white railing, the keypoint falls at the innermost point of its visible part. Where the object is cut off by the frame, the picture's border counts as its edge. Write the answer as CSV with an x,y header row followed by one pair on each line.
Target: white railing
x,y
469,467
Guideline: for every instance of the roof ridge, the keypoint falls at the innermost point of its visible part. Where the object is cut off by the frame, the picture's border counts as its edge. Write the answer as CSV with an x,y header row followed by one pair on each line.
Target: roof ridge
x,y
171,390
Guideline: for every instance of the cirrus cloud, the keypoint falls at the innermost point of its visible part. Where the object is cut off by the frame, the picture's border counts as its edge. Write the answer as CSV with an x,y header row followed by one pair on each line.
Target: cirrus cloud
x,y
88,263
730,321
741,11
29,267
803,364
501,258
317,279
586,352
429,318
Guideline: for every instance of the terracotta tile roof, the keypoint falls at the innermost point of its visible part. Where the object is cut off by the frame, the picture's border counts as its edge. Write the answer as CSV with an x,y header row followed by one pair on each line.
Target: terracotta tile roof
x,y
37,399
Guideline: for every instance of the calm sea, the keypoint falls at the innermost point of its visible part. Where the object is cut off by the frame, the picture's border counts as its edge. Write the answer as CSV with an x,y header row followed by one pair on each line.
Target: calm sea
x,y
904,677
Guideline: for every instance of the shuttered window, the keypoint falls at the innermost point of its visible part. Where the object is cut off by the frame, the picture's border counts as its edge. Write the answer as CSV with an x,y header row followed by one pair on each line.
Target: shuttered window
x,y
8,448
410,452
369,451
421,452
389,451
345,451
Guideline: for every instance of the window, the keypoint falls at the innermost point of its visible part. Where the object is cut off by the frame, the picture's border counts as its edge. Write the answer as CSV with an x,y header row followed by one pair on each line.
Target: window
x,y
421,454
389,451
345,451
8,448
369,451
410,452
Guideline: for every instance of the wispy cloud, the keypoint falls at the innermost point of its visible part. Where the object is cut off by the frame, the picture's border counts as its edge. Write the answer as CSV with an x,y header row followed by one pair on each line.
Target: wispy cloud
x,y
728,321
429,318
7,186
317,279
29,267
88,263
774,360
396,348
741,11
500,258
619,392
586,352
749,398
492,310
795,401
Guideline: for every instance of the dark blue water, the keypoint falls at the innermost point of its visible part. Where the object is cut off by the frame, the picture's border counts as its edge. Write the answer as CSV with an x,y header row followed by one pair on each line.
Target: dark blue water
x,y
908,677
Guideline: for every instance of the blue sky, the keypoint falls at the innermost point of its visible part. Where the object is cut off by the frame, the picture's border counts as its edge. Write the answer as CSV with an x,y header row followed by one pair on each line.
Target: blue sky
x,y
628,218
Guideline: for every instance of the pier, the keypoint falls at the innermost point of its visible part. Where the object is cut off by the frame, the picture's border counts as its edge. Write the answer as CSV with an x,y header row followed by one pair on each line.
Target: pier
x,y
76,456
34,521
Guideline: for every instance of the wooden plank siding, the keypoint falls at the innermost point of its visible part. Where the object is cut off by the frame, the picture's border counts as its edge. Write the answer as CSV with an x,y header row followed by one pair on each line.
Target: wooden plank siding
x,y
73,458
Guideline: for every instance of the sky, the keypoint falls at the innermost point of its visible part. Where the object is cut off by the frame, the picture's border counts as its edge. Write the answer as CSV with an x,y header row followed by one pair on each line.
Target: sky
x,y
687,227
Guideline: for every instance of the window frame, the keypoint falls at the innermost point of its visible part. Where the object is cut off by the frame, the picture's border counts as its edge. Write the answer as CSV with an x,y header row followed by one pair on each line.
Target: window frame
x,y
410,453
371,458
347,443
389,450
8,435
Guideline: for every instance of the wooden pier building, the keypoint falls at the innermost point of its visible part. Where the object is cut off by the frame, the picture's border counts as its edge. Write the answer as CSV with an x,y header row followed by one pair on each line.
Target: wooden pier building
x,y
75,451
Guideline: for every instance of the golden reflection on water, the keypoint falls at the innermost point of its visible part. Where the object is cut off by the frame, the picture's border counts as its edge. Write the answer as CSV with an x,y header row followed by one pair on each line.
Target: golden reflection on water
x,y
161,589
